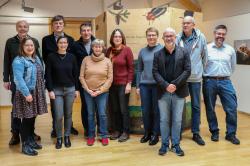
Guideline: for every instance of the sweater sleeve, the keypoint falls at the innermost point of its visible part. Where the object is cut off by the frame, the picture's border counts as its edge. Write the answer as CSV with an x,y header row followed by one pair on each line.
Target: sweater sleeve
x,y
130,65
7,63
109,80
82,73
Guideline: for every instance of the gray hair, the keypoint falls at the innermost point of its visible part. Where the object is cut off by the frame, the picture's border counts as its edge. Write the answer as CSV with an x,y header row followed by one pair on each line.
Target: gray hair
x,y
169,29
97,42
22,21
189,18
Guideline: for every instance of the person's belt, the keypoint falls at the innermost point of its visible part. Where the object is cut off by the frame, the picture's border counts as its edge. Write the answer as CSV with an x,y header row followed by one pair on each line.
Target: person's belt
x,y
217,77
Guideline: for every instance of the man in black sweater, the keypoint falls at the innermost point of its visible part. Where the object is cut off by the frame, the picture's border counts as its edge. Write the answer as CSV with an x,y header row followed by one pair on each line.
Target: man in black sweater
x,y
10,52
82,48
49,46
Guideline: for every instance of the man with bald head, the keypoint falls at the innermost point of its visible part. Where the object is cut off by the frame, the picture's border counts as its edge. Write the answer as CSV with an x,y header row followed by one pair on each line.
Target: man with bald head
x,y
195,42
11,51
171,69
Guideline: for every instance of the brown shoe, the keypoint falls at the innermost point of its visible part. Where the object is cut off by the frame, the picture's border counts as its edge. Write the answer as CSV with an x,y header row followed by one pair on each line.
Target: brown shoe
x,y
115,135
124,137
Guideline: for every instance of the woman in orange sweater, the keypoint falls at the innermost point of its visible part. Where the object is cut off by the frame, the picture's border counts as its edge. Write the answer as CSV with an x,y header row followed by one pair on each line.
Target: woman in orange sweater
x,y
96,76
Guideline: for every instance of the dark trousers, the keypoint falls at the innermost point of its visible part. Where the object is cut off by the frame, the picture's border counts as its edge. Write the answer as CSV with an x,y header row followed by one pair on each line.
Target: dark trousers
x,y
27,128
15,122
84,112
195,90
150,110
119,108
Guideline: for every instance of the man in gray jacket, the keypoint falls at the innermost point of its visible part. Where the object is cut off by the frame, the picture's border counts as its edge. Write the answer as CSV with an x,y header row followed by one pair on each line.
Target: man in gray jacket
x,y
195,43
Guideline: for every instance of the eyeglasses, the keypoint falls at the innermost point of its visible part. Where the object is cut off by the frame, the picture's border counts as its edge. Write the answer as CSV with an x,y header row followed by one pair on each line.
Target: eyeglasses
x,y
220,34
117,36
168,36
151,35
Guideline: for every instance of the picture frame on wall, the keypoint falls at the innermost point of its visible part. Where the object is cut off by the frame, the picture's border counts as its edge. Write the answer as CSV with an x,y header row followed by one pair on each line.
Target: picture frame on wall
x,y
242,48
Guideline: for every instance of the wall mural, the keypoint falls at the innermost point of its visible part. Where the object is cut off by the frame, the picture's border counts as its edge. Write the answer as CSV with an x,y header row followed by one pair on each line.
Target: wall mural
x,y
156,12
121,14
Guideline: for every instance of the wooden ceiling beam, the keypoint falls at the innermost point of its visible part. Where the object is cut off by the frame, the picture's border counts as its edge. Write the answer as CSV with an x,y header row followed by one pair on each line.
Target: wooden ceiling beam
x,y
189,5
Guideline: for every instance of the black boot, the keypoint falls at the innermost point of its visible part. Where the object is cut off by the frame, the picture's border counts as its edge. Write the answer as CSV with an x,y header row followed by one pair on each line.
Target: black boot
x,y
153,140
34,144
59,143
15,139
145,138
36,137
73,131
67,142
27,149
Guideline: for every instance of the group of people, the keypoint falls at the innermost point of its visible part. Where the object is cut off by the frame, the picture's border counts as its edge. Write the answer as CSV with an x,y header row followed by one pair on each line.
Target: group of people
x,y
102,77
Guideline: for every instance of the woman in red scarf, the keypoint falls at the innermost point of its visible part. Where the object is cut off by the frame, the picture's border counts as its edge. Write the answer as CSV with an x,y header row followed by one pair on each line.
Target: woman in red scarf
x,y
123,72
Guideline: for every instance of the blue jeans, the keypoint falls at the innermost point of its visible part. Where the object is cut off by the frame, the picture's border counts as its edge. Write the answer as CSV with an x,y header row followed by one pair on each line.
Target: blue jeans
x,y
63,107
171,109
100,102
195,91
226,92
150,110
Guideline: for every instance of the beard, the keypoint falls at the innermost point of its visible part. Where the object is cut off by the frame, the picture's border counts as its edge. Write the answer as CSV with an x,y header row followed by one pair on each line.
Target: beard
x,y
219,39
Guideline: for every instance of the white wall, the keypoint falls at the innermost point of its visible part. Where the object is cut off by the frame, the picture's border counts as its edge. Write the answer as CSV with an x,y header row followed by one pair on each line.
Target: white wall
x,y
214,9
49,8
38,29
39,25
238,29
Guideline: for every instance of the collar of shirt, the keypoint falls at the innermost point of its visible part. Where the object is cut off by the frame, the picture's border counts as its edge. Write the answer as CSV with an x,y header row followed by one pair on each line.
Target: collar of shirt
x,y
214,45
19,37
57,36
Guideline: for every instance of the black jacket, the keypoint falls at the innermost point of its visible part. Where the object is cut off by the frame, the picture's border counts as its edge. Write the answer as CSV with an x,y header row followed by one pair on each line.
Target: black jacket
x,y
10,52
181,72
78,49
49,45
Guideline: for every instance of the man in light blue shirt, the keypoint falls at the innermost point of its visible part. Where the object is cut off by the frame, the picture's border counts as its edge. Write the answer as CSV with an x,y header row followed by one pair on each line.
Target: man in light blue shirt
x,y
220,66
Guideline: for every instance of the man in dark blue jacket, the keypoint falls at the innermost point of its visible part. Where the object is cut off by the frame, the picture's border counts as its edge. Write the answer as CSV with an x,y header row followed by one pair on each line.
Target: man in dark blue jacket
x,y
82,48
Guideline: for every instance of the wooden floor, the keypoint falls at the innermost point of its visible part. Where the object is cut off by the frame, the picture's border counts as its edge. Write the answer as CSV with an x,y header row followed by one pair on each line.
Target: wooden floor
x,y
131,153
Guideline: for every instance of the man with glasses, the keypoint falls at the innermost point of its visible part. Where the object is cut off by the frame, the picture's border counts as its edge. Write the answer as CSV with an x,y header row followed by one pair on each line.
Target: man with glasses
x,y
171,69
220,66
147,88
10,52
195,42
